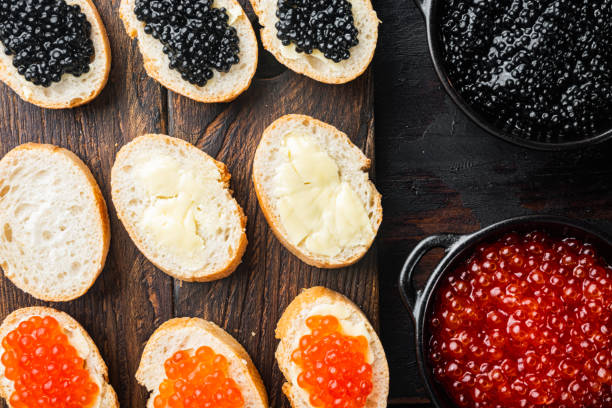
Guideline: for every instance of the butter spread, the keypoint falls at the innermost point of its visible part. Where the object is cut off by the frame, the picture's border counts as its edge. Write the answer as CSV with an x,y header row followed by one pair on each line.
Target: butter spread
x,y
289,52
318,210
350,327
233,12
176,215
81,345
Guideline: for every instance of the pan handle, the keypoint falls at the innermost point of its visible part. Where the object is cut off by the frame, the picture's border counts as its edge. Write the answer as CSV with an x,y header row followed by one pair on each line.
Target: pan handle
x,y
425,6
410,295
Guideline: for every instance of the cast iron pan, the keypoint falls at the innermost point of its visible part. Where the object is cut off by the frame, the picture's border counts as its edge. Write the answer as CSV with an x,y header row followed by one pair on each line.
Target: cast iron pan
x,y
419,302
429,8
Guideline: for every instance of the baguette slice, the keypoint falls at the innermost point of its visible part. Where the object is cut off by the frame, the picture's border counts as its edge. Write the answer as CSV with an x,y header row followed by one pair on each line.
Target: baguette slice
x,y
292,326
223,234
79,339
71,91
191,333
222,87
54,224
316,66
353,166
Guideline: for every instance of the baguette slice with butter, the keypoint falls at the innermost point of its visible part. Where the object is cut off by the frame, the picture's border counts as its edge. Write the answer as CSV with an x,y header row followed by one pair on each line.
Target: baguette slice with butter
x,y
315,65
78,338
189,334
175,202
313,188
223,86
70,91
54,225
320,301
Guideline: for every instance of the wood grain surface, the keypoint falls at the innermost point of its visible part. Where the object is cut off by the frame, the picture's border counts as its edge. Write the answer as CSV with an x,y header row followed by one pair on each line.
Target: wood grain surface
x,y
437,172
131,297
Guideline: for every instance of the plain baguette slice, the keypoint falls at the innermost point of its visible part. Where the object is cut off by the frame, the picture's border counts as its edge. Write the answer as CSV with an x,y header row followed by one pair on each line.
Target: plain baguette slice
x,y
292,326
217,259
223,86
54,228
321,68
71,91
79,339
191,333
351,161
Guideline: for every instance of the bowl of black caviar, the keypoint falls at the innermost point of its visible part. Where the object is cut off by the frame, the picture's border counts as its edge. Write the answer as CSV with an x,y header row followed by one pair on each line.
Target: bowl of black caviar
x,y
532,72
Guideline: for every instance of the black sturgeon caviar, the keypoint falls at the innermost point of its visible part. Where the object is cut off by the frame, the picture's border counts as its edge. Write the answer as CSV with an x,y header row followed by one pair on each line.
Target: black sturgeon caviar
x,y
533,67
196,36
46,38
326,25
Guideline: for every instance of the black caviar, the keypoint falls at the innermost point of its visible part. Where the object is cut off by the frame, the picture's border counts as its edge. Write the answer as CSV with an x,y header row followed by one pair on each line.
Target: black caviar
x,y
326,25
535,68
46,38
196,36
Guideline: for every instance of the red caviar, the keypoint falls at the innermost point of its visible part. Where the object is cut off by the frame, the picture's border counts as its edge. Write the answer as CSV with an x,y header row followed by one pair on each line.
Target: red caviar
x,y
198,380
526,322
45,368
333,365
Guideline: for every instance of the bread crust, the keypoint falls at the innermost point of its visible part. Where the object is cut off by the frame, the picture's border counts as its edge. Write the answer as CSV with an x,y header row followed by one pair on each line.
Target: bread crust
x,y
214,330
126,13
101,218
305,300
108,395
88,8
274,221
297,65
225,178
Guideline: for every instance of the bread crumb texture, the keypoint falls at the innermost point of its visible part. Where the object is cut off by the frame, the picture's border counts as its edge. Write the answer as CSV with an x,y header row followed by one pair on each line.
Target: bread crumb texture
x,y
54,232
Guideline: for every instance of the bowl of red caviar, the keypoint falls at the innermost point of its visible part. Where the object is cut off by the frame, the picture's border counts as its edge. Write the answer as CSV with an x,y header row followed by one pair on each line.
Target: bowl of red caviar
x,y
518,314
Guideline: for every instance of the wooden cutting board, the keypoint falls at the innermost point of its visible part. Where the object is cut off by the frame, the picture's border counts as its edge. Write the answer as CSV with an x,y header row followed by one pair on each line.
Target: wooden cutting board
x,y
132,297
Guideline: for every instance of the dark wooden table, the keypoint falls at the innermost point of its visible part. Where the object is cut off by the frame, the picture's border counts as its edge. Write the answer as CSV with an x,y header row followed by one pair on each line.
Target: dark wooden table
x,y
438,172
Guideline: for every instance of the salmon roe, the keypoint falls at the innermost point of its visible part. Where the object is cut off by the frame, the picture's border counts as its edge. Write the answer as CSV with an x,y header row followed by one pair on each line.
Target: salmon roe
x,y
198,380
526,322
45,368
334,370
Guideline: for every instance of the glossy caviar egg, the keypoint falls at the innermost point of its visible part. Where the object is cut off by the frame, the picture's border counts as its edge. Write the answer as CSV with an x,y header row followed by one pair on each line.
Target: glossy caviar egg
x,y
325,25
46,38
333,366
45,368
198,379
526,321
536,69
196,36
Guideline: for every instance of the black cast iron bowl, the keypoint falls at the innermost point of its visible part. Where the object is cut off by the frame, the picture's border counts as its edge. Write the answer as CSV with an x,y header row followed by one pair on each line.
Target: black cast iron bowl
x,y
458,248
430,8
